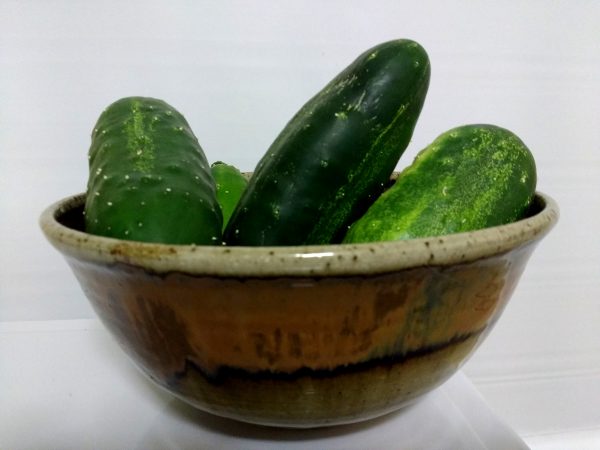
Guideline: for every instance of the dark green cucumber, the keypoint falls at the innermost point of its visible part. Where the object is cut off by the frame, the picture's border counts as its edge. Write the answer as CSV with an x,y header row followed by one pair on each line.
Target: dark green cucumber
x,y
231,183
149,178
333,157
471,177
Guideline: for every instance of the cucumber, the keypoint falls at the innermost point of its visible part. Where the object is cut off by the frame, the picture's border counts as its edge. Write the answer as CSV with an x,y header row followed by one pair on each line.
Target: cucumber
x,y
231,183
470,177
149,179
333,157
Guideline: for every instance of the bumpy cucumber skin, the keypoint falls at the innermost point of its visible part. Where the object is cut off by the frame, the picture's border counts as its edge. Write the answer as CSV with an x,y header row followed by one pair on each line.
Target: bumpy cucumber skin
x,y
231,184
469,178
333,157
149,178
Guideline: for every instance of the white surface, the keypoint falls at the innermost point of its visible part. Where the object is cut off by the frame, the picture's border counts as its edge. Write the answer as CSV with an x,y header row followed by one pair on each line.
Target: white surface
x,y
238,70
68,386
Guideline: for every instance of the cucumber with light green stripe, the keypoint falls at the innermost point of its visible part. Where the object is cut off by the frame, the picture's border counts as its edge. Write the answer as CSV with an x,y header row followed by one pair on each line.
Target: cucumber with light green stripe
x,y
333,157
471,177
149,179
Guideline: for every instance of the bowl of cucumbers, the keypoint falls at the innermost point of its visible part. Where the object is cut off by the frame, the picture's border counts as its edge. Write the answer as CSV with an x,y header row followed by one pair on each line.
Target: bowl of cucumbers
x,y
323,287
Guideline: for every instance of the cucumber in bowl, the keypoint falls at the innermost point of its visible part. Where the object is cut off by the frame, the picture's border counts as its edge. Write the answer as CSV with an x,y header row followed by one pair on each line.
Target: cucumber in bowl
x,y
334,156
471,177
231,184
149,179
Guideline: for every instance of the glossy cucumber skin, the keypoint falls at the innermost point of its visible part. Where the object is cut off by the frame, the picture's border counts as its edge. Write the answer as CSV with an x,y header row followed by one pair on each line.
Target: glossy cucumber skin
x,y
469,178
231,184
149,179
333,157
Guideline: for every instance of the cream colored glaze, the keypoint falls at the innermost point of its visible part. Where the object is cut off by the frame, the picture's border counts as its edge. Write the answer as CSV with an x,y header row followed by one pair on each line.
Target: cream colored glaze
x,y
378,257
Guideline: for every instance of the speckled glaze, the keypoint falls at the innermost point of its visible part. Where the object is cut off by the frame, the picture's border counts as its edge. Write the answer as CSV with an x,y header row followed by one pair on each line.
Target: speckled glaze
x,y
300,336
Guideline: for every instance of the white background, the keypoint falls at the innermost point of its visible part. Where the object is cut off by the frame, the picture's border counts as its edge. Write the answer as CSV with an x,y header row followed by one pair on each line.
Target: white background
x,y
238,70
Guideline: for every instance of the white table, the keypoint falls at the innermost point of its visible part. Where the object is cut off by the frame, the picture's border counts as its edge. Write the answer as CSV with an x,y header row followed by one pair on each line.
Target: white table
x,y
67,385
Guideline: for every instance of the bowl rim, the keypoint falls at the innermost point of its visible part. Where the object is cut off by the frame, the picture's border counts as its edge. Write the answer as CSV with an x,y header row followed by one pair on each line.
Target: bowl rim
x,y
296,261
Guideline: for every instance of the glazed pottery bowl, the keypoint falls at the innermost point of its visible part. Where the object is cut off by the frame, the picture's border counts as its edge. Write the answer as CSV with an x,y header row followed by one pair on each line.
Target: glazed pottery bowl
x,y
300,336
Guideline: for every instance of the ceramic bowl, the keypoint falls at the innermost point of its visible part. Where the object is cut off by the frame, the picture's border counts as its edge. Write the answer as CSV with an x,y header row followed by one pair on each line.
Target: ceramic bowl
x,y
300,336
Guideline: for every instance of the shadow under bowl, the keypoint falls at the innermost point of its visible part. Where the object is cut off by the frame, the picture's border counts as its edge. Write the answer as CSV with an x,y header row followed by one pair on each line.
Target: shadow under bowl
x,y
300,336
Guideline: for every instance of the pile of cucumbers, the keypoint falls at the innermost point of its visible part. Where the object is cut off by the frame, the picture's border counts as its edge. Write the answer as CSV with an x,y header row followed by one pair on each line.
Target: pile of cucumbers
x,y
326,177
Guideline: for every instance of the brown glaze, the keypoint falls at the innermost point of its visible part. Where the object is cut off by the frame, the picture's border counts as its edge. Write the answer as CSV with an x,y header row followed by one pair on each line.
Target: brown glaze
x,y
309,399
295,350
286,324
